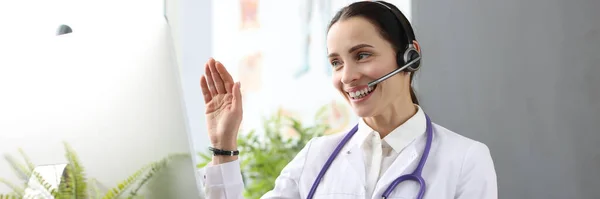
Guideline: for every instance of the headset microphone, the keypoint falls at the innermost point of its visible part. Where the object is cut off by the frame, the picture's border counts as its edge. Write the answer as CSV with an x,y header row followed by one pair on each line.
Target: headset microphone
x,y
379,80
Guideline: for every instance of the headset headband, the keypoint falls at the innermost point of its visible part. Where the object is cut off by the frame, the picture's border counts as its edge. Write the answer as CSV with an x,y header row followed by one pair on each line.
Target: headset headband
x,y
409,60
410,36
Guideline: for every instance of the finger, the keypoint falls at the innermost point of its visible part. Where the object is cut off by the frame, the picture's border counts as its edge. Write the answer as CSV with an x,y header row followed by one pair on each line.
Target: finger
x,y
209,80
205,91
217,79
237,96
226,77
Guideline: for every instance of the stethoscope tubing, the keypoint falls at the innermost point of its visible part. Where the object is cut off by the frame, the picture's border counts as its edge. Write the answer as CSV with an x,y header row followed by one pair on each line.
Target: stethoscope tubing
x,y
415,175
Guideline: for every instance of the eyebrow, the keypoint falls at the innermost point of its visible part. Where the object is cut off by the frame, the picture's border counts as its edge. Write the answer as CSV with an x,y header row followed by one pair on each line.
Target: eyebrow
x,y
359,46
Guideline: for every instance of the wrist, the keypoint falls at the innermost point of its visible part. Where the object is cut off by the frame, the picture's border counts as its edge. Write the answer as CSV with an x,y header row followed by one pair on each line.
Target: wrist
x,y
223,155
220,152
228,146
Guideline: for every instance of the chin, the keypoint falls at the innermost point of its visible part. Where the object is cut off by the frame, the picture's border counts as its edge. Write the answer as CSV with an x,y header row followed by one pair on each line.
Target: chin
x,y
364,111
365,108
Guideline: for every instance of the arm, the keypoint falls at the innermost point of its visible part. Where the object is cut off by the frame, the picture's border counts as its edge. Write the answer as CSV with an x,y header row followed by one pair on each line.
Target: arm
x,y
224,181
478,176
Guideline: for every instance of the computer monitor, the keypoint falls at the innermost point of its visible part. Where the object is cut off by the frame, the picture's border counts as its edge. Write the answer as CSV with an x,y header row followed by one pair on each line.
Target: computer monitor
x,y
112,92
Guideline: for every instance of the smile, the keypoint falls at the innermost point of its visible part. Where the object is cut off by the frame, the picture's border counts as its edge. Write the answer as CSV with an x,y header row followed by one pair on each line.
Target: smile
x,y
360,94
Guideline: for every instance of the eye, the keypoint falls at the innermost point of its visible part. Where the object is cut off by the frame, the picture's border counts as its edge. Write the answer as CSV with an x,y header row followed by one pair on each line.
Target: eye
x,y
362,55
335,63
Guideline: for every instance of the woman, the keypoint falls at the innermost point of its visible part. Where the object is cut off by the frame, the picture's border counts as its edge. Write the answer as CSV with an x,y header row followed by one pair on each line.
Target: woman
x,y
365,41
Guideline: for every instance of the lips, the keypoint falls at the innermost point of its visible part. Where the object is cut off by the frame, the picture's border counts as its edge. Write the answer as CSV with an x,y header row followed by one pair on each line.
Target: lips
x,y
358,94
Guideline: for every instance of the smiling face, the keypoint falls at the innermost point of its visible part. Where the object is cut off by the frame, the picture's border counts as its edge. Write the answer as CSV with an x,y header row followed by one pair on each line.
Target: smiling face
x,y
359,54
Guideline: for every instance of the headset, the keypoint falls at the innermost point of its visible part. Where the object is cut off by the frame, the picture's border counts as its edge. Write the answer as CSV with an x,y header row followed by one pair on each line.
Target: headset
x,y
410,59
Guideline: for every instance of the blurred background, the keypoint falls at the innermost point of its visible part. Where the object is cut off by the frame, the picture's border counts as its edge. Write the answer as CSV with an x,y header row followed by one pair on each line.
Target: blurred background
x,y
105,97
123,88
277,50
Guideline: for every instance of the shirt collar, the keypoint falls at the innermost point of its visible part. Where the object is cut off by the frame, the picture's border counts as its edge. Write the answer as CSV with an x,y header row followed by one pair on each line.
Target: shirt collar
x,y
400,137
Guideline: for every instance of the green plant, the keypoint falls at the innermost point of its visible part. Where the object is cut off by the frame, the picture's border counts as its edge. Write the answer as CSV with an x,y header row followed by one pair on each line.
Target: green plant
x,y
267,152
74,182
22,170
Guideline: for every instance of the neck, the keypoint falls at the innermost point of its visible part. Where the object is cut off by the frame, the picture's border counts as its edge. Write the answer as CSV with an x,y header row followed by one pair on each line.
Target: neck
x,y
391,118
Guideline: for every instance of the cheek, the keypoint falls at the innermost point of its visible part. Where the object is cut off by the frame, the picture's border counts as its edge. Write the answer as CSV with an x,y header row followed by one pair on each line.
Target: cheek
x,y
336,80
376,71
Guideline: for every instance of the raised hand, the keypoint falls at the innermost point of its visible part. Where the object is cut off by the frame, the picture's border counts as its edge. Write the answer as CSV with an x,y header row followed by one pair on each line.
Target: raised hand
x,y
223,101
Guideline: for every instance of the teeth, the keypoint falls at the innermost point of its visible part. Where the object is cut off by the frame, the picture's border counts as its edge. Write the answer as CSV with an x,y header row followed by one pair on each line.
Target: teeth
x,y
360,93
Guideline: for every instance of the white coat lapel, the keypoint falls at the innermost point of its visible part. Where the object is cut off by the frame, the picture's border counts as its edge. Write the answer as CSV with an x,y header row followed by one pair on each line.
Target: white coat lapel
x,y
398,168
354,157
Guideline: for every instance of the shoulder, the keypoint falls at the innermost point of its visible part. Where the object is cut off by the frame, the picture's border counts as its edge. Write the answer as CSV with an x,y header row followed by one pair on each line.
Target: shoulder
x,y
472,164
469,155
457,141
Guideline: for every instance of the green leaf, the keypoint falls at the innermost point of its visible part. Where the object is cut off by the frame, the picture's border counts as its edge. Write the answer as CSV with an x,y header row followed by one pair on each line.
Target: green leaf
x,y
125,184
266,151
154,168
73,182
30,165
9,196
21,170
18,191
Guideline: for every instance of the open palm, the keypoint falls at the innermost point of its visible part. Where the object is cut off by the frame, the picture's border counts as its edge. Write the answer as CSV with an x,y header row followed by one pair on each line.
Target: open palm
x,y
223,101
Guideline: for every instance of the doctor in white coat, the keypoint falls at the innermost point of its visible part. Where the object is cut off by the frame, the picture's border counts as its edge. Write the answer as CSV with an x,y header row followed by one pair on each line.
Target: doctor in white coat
x,y
373,55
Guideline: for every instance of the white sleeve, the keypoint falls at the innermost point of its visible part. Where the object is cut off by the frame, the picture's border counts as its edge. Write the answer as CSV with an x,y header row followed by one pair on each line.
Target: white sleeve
x,y
478,176
224,181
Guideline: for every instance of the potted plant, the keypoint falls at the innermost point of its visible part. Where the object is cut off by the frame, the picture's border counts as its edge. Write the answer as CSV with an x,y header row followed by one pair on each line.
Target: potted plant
x,y
268,150
74,182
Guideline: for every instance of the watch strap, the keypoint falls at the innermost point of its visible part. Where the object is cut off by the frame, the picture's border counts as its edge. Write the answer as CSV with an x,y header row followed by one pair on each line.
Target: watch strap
x,y
220,152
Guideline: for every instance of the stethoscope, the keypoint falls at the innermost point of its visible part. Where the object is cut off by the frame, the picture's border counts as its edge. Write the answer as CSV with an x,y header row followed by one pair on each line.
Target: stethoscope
x,y
415,175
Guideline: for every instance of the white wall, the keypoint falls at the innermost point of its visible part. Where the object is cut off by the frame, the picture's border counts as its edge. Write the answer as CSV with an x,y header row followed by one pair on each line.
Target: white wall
x,y
173,12
111,89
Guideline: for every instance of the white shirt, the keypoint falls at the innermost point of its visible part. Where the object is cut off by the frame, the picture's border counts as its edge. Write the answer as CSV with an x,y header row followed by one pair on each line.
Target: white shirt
x,y
457,168
379,153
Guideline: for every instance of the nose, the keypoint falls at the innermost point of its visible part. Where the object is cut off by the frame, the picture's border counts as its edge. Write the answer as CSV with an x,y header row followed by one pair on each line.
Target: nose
x,y
349,74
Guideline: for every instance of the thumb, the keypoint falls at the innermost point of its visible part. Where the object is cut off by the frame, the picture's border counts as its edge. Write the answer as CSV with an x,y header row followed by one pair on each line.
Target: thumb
x,y
237,95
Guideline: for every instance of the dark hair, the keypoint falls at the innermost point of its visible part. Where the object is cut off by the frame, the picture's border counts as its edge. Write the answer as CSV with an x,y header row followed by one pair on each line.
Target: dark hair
x,y
384,21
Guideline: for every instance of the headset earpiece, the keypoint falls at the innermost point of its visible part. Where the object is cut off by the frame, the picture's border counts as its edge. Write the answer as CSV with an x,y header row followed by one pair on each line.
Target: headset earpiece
x,y
410,53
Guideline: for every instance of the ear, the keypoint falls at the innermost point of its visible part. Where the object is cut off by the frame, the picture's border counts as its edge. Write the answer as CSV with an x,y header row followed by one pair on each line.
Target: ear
x,y
417,46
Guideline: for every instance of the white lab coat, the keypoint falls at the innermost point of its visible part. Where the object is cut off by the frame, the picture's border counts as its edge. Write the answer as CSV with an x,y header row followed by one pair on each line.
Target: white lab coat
x,y
457,168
